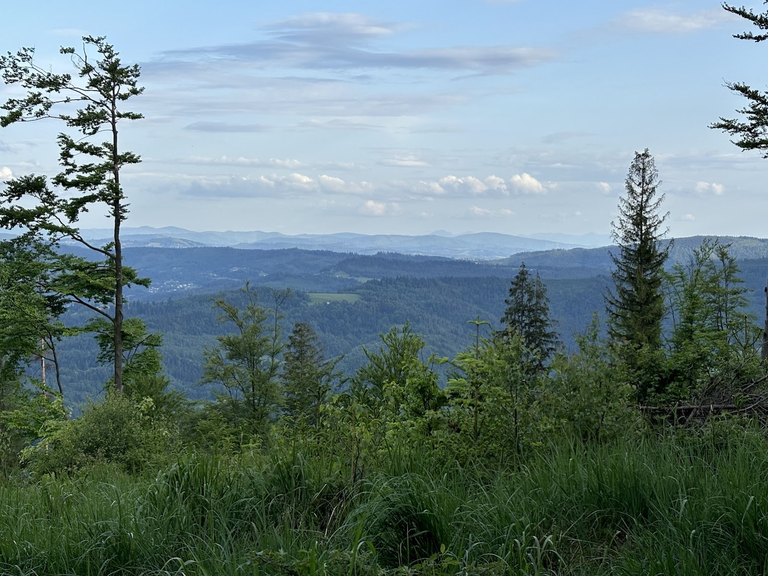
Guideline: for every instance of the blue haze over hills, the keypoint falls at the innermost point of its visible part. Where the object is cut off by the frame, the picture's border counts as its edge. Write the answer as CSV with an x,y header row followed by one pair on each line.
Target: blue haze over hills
x,y
473,246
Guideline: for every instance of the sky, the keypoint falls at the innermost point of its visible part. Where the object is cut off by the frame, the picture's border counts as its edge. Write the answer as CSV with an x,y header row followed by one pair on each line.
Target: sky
x,y
409,117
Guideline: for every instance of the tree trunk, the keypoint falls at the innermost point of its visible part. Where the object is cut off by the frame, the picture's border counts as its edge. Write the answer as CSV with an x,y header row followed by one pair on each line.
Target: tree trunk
x,y
117,208
764,348
118,322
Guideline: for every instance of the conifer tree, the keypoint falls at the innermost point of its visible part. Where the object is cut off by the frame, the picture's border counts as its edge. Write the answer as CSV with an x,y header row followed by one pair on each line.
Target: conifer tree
x,y
636,307
712,335
751,132
307,377
527,316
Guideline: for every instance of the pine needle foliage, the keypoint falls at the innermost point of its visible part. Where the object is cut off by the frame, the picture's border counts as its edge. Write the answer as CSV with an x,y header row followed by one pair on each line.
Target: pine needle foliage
x,y
751,131
307,377
527,316
636,307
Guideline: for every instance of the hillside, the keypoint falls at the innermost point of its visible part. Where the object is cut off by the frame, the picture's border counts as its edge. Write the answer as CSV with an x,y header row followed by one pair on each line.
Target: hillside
x,y
350,298
598,260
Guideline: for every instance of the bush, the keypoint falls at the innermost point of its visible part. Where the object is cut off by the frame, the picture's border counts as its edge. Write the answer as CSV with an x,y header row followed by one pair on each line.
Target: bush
x,y
117,430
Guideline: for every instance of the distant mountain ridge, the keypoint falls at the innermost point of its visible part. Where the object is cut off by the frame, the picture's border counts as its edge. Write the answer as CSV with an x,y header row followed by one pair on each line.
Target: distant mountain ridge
x,y
473,246
599,259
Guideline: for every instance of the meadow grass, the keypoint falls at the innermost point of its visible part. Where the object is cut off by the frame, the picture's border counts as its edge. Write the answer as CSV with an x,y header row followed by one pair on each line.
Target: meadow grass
x,y
679,504
323,298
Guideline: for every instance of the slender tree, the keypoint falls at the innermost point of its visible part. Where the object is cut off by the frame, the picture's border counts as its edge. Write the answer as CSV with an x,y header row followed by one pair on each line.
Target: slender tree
x,y
307,377
246,362
398,349
711,329
527,316
636,306
92,162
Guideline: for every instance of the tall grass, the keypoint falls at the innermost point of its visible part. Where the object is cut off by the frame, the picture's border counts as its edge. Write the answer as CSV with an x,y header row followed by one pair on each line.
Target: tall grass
x,y
647,506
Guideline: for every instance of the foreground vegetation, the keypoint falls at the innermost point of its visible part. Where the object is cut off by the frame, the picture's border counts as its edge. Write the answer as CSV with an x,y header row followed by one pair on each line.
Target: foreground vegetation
x,y
677,504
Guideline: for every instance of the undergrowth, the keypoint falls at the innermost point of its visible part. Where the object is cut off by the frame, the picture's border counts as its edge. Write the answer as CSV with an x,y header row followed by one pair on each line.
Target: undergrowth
x,y
671,505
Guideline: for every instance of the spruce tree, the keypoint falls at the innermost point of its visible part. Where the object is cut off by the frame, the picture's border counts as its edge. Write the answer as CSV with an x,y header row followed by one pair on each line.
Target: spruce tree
x,y
527,316
636,306
750,132
307,377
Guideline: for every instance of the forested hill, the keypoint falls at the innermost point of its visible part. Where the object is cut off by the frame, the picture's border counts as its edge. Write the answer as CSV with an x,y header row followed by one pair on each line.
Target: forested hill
x,y
179,272
439,309
483,245
350,299
594,261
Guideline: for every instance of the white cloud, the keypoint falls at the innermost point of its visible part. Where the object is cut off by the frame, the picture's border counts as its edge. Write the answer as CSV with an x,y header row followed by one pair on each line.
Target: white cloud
x,y
328,41
706,187
248,186
298,181
478,212
660,21
428,189
407,161
604,187
688,217
241,161
373,208
467,184
335,184
496,183
336,27
527,184
286,163
5,173
461,186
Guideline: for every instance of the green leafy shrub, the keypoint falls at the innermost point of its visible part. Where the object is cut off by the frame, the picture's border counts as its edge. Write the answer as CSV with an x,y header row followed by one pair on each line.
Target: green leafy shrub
x,y
586,396
117,430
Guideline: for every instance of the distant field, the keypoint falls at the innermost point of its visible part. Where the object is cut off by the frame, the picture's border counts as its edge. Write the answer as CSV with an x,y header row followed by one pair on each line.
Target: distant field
x,y
322,298
361,279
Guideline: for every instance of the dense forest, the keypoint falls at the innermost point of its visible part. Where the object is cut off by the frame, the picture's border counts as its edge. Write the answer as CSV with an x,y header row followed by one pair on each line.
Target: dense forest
x,y
318,413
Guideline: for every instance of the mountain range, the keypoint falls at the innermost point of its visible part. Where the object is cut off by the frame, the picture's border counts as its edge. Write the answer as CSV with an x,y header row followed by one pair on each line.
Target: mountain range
x,y
473,246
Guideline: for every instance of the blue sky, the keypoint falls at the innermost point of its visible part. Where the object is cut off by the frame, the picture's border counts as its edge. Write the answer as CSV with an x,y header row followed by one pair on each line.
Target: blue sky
x,y
519,116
